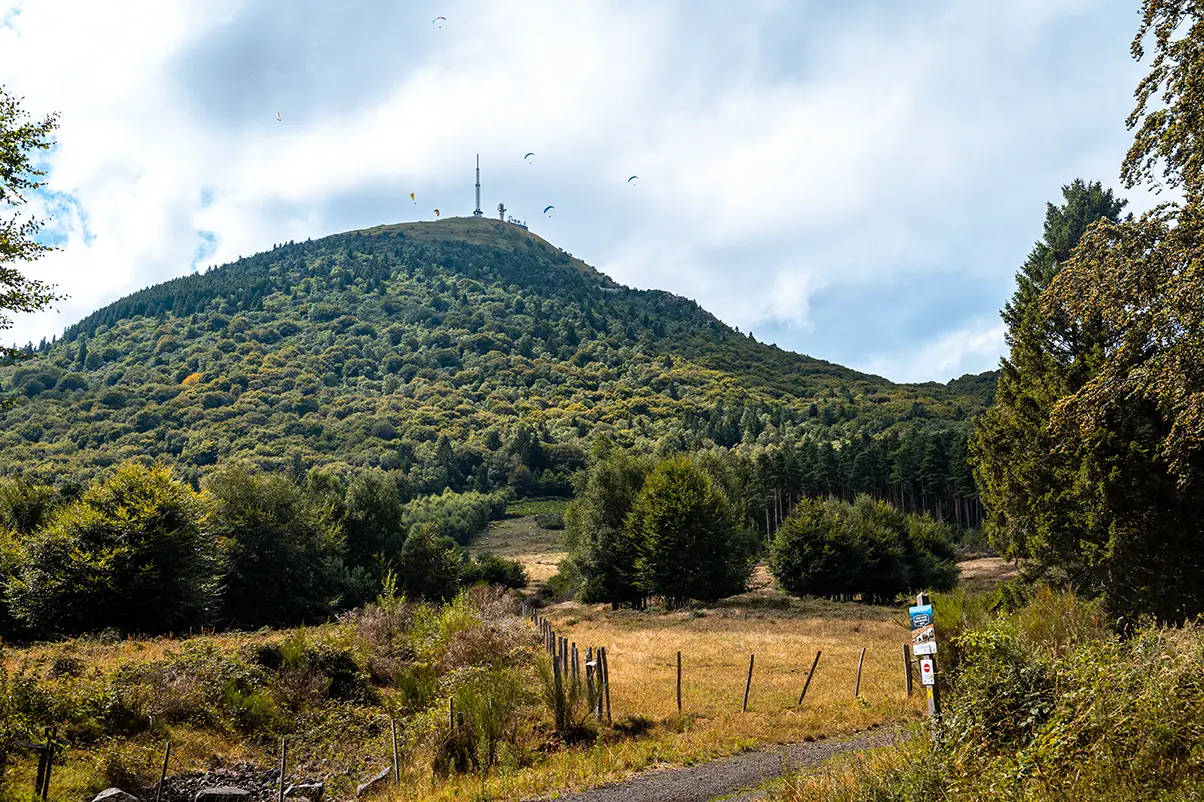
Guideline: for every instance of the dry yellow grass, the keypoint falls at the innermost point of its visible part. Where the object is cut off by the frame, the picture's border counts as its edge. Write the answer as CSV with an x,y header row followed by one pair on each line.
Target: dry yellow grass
x,y
716,644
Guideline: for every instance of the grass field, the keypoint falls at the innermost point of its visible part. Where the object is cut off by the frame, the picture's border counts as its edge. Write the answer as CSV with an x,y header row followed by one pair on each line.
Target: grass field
x,y
519,537
716,643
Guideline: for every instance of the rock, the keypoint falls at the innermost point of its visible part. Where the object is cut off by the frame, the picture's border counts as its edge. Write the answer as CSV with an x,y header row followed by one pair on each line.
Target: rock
x,y
378,783
223,793
114,795
310,791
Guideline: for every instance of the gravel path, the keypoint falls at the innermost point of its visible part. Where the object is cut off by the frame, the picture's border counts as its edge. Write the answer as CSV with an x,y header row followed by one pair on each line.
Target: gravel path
x,y
724,777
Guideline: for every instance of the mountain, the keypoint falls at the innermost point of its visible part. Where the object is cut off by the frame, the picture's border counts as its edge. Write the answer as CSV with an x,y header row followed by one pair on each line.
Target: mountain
x,y
459,353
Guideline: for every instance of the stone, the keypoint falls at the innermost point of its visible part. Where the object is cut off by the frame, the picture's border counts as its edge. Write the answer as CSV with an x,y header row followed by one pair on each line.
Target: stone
x,y
311,791
114,795
375,785
223,793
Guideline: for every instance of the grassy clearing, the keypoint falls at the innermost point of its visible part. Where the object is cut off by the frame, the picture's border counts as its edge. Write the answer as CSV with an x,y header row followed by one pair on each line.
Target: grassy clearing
x,y
521,538
519,509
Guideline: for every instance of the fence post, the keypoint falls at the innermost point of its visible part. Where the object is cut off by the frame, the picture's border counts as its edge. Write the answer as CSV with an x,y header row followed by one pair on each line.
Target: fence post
x,y
396,762
163,773
606,681
49,763
860,661
748,683
283,764
810,674
907,668
679,682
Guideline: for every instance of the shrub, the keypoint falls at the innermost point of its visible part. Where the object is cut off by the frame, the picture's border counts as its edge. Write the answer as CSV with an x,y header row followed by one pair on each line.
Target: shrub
x,y
130,554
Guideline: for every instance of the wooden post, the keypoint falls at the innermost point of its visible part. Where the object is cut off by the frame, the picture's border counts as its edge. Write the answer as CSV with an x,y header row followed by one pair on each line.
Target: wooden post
x,y
576,667
907,668
860,662
606,682
49,763
283,765
679,683
748,683
40,779
558,686
810,674
451,712
163,773
396,762
590,673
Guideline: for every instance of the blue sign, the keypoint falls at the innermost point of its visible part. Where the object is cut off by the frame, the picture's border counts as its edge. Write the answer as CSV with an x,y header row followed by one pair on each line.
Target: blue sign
x,y
920,616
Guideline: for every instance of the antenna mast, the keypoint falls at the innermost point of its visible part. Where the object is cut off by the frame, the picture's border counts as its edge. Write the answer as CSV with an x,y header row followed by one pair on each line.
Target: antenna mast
x,y
478,212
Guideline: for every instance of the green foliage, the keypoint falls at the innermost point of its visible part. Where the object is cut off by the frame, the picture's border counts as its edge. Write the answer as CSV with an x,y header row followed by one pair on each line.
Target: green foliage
x,y
595,524
1091,461
284,560
866,548
688,542
427,569
442,355
131,555
454,515
19,140
1047,704
490,569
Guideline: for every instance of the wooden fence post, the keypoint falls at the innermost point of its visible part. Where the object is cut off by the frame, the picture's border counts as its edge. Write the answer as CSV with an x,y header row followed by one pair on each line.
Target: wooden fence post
x,y
748,683
396,762
679,683
857,689
163,773
606,682
49,763
907,668
283,765
810,674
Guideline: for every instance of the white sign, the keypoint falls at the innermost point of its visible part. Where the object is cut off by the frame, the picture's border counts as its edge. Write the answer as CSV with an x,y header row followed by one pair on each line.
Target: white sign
x,y
927,675
928,647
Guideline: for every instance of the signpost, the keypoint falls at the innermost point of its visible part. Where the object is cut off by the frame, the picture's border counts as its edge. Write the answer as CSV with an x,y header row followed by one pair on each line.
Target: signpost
x,y
923,645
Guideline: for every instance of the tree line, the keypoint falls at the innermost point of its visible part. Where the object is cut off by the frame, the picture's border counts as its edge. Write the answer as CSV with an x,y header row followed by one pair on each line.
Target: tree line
x,y
142,552
666,527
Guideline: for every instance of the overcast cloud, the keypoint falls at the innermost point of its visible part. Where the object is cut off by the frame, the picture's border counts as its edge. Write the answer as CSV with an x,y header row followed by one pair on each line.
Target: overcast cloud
x,y
857,181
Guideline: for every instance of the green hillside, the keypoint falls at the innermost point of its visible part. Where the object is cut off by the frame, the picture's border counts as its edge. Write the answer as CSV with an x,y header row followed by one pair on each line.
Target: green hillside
x,y
461,353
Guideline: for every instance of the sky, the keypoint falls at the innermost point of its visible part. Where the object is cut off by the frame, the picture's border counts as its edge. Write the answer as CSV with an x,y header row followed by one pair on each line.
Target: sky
x,y
856,181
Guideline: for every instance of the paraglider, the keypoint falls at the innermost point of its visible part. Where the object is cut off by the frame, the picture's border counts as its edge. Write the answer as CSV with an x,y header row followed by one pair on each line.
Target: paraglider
x,y
436,19
634,177
436,214
548,209
279,118
529,155
412,197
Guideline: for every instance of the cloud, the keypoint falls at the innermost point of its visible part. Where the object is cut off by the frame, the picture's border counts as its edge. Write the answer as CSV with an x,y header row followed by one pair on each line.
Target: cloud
x,y
951,353
833,177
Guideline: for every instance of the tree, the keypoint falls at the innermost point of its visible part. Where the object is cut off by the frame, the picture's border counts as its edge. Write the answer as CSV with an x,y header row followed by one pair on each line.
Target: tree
x,y
1114,507
130,555
428,568
1027,485
284,559
594,526
19,138
690,544
1139,418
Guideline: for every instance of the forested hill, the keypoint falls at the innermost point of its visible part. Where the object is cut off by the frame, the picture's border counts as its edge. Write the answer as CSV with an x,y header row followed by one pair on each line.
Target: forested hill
x,y
461,353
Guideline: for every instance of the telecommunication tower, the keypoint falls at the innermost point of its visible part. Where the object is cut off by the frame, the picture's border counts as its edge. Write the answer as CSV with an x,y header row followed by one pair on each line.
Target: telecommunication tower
x,y
478,212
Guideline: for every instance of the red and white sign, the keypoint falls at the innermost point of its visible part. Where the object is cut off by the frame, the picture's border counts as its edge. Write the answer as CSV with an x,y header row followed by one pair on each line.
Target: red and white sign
x,y
927,674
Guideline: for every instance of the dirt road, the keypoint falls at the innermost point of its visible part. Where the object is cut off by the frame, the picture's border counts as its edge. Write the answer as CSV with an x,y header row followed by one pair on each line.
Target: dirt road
x,y
726,777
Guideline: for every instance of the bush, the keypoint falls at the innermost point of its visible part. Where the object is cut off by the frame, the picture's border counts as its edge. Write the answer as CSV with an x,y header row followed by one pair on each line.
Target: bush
x,y
866,548
490,569
131,554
